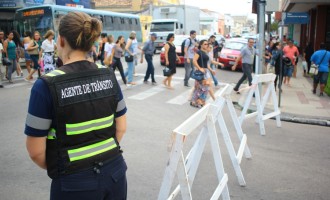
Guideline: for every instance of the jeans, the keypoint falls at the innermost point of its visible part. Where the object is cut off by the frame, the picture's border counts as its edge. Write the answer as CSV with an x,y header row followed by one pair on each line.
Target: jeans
x,y
11,68
130,70
35,59
150,69
109,184
117,64
215,80
189,67
247,73
2,72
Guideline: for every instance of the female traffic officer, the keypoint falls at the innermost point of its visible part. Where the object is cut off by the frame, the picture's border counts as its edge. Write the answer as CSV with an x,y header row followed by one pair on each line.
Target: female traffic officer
x,y
76,119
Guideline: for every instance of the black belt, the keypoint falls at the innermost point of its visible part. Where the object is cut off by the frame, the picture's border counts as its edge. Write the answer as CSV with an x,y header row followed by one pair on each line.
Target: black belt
x,y
49,52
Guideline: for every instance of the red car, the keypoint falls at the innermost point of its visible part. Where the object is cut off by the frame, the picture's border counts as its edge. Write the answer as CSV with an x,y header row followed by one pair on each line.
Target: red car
x,y
231,51
177,42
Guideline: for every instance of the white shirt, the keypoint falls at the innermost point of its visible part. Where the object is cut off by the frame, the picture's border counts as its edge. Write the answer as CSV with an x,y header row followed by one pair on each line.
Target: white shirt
x,y
108,48
1,49
48,46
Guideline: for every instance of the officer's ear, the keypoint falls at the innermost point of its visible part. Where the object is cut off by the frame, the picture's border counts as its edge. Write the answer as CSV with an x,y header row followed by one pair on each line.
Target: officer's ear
x,y
62,42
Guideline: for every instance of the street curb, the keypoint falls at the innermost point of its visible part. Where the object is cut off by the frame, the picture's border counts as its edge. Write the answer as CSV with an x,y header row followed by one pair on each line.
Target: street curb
x,y
287,117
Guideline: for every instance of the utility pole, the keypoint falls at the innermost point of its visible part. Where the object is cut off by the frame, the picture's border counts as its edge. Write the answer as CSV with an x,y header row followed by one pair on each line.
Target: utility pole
x,y
261,28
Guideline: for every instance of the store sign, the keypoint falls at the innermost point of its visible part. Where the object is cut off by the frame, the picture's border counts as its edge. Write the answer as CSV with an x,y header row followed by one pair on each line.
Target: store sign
x,y
296,18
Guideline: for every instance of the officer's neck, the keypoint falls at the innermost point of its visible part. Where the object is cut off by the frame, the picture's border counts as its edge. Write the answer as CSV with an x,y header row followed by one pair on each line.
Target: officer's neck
x,y
74,56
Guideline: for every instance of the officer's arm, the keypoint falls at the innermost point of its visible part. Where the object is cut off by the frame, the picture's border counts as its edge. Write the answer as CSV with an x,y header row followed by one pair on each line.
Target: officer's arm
x,y
36,147
120,127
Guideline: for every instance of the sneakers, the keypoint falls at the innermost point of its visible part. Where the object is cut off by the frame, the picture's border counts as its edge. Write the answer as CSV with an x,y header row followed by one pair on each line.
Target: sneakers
x,y
236,90
1,86
145,82
314,91
154,83
187,85
321,94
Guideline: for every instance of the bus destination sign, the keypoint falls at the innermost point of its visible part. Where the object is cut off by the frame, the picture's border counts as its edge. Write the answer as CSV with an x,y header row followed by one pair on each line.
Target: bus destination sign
x,y
33,13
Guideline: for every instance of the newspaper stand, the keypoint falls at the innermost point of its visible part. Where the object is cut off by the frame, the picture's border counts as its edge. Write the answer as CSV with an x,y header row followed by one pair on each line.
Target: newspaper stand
x,y
223,100
186,168
268,79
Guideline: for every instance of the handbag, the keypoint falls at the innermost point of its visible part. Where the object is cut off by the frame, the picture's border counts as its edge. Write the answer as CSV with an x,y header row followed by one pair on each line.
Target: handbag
x,y
6,61
196,74
167,71
33,51
129,58
315,68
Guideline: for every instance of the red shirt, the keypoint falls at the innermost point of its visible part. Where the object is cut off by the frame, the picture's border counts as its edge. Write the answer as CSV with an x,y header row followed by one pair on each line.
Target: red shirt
x,y
291,52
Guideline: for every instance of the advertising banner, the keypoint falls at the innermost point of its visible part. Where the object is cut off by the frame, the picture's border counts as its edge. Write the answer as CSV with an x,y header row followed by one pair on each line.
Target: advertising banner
x,y
74,3
23,3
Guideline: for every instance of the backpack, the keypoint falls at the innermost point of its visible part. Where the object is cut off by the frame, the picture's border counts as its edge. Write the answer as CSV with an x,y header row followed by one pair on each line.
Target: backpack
x,y
183,45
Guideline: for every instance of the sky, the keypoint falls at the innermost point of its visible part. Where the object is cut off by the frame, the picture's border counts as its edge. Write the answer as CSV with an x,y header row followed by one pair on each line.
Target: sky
x,y
234,7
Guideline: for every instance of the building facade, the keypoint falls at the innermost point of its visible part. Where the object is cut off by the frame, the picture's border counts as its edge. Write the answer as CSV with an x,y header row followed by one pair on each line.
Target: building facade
x,y
317,30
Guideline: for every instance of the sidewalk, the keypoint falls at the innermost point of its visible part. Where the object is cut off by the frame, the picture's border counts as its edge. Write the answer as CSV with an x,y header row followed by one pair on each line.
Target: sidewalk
x,y
298,103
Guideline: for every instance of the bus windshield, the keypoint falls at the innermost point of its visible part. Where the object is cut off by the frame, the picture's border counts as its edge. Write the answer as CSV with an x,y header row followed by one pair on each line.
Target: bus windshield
x,y
34,20
162,27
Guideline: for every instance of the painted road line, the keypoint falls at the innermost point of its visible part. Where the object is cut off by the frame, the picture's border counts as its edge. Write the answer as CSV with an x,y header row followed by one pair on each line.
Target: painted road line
x,y
181,99
151,92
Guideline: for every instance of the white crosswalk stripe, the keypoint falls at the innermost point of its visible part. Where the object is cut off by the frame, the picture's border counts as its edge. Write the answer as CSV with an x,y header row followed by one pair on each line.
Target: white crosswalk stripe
x,y
151,92
181,99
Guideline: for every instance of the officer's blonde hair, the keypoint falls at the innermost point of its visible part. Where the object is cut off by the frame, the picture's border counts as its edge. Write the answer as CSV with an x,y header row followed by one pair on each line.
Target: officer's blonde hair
x,y
80,30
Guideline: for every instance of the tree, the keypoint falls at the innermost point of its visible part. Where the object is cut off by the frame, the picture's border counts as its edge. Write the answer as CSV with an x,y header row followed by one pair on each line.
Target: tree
x,y
274,26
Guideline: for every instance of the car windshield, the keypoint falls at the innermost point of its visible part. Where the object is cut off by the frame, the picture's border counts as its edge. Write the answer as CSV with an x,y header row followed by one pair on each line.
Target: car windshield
x,y
234,45
162,27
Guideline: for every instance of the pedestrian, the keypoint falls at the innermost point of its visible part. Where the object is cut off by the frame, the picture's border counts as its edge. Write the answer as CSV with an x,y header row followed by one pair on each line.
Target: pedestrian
x,y
309,50
215,45
76,120
189,52
102,47
47,52
290,51
33,51
114,60
131,49
247,55
296,55
170,59
214,64
321,58
202,87
37,39
108,46
277,54
148,50
9,47
2,68
19,53
26,41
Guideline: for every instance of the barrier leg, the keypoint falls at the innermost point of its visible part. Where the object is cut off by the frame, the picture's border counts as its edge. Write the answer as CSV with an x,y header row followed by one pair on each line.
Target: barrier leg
x,y
183,180
171,167
238,127
193,160
231,150
276,109
246,106
217,160
260,114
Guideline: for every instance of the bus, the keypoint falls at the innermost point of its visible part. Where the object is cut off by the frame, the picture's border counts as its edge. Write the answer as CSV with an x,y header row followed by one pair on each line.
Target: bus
x,y
47,17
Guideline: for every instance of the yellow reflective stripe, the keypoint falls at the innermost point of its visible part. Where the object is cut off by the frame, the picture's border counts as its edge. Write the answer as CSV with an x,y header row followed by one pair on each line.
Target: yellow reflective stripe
x,y
84,127
55,73
92,150
51,134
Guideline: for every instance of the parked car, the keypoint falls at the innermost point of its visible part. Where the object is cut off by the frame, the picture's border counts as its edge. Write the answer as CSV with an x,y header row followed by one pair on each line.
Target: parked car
x,y
231,51
177,42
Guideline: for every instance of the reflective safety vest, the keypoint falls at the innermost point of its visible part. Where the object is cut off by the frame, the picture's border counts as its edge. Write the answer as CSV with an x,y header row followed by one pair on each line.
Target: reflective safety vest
x,y
85,98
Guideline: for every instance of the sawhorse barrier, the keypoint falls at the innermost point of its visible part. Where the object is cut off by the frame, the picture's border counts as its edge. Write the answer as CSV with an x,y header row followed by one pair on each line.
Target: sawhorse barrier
x,y
268,79
186,168
223,100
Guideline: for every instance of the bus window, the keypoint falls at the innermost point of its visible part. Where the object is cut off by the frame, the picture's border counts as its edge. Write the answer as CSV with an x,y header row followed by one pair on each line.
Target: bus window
x,y
108,23
117,23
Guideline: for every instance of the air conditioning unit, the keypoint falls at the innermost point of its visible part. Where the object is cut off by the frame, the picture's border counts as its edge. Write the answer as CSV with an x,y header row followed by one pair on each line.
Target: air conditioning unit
x,y
167,10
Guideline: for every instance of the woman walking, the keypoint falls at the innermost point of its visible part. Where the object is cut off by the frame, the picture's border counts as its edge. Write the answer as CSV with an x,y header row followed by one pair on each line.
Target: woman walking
x,y
114,59
108,46
48,47
19,52
33,51
131,50
9,48
76,136
26,41
170,60
201,89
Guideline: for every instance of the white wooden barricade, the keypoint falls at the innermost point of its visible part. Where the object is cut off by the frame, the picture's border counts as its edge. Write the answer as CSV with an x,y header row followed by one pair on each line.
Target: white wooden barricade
x,y
222,100
260,104
186,168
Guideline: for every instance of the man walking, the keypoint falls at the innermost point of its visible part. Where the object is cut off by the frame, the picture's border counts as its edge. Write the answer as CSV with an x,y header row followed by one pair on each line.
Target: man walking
x,y
189,52
321,58
148,50
247,56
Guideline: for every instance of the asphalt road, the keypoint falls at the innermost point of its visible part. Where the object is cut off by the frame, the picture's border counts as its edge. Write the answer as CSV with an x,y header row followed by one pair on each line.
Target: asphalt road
x,y
291,162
